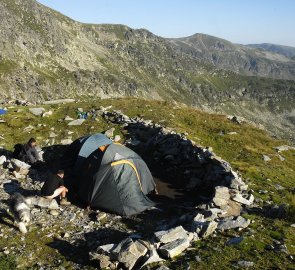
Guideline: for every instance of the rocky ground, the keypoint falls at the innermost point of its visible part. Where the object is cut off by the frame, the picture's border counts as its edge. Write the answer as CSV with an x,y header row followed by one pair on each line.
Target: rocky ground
x,y
216,216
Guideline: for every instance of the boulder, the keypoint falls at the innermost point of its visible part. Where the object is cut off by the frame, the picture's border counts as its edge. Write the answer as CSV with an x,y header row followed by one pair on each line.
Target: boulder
x,y
171,235
174,248
37,111
222,196
129,252
77,122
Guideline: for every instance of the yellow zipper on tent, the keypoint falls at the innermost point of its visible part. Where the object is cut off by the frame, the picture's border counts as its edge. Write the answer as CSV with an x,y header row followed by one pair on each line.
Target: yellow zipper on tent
x,y
119,162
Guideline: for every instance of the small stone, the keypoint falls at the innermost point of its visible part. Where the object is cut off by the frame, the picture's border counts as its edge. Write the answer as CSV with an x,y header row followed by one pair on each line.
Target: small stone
x,y
68,118
110,133
278,187
100,216
2,160
266,158
77,122
245,264
66,141
117,138
54,212
52,135
234,241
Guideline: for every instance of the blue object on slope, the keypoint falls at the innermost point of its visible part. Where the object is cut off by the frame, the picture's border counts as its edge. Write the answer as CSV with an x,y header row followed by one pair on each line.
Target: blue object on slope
x,y
2,111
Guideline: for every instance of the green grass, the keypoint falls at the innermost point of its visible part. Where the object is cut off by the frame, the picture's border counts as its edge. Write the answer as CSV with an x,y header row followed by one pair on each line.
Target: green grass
x,y
243,150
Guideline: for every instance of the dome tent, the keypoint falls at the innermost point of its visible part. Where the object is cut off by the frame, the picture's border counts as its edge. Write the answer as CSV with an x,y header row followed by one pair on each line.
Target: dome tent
x,y
115,179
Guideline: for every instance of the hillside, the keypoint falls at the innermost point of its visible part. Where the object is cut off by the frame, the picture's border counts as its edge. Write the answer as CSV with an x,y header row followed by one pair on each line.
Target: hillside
x,y
280,49
267,243
238,58
45,55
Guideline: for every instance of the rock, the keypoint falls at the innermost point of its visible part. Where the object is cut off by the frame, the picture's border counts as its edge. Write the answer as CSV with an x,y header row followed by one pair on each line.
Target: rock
x,y
266,158
68,118
100,216
20,164
117,138
209,229
52,135
163,267
77,122
58,101
106,249
245,264
152,257
230,223
42,202
28,128
280,157
231,209
171,235
240,199
129,252
174,248
293,225
54,212
46,114
110,132
222,196
284,148
66,141
37,111
2,160
104,261
278,187
234,241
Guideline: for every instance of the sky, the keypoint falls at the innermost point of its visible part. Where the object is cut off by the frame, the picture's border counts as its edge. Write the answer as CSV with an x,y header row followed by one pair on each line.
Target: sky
x,y
239,21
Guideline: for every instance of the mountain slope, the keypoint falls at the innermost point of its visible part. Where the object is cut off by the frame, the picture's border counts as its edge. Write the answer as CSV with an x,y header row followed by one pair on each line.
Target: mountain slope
x,y
280,49
45,55
238,58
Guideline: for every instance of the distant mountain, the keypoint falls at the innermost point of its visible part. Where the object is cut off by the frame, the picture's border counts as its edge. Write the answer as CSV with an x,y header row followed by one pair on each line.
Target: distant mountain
x,y
238,58
45,55
280,49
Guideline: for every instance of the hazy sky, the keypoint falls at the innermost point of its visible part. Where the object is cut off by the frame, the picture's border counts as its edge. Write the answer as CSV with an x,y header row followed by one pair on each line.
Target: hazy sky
x,y
240,21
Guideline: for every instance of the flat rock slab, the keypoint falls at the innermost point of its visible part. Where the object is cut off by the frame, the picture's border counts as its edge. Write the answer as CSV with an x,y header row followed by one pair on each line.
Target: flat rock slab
x,y
174,248
77,122
58,101
171,235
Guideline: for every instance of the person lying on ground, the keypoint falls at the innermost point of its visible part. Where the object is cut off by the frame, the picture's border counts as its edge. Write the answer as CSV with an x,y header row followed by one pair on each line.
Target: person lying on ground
x,y
30,153
54,188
